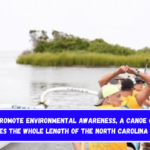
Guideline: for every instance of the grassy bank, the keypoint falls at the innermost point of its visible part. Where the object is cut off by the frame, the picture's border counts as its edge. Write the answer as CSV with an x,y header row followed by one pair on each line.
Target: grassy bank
x,y
82,59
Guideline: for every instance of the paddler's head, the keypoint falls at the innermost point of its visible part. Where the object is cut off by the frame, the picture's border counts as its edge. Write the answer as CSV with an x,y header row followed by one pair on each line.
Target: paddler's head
x,y
127,85
109,95
138,83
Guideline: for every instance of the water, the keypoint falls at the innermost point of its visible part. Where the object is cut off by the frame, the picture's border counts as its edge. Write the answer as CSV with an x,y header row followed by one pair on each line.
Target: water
x,y
23,84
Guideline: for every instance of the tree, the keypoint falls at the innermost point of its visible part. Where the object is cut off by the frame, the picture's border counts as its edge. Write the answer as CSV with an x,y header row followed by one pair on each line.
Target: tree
x,y
38,36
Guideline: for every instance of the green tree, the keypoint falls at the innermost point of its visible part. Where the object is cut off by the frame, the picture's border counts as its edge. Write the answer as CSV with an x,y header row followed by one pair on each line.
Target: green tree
x,y
38,36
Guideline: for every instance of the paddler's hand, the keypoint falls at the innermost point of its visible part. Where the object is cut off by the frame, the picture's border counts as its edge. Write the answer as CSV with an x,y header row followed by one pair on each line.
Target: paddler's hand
x,y
131,70
122,69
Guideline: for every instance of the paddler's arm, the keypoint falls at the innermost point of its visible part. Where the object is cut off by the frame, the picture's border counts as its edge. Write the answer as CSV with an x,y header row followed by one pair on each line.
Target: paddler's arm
x,y
142,95
105,79
147,103
77,146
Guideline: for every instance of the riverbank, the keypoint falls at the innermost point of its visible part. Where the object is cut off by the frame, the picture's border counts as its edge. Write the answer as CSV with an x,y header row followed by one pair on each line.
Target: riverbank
x,y
88,59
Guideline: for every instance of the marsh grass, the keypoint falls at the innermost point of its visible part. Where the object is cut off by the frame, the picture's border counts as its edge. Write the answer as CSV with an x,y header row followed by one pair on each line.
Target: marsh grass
x,y
88,59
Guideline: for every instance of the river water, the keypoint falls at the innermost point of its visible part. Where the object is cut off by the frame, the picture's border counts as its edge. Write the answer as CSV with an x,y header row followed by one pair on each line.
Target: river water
x,y
23,84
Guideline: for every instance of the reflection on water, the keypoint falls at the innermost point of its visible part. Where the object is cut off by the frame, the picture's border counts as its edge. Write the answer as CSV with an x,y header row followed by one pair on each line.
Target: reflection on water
x,y
36,87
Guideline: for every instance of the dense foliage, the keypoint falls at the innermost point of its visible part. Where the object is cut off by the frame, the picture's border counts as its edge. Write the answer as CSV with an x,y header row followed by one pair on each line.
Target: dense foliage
x,y
64,42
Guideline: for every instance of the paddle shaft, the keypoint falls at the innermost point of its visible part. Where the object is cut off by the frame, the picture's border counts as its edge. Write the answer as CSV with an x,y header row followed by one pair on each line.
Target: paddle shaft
x,y
146,64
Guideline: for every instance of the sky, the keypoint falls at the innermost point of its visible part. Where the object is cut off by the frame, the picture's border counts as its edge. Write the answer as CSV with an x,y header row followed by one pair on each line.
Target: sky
x,y
123,22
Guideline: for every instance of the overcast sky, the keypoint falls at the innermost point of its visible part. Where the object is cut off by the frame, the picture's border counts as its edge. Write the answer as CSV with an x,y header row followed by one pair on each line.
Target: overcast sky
x,y
123,22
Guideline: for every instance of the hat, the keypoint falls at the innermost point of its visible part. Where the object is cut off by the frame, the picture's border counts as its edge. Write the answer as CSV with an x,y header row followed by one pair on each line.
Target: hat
x,y
137,80
105,91
108,90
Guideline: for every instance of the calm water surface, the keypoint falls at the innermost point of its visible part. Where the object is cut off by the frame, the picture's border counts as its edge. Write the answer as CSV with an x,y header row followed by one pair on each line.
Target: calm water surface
x,y
24,83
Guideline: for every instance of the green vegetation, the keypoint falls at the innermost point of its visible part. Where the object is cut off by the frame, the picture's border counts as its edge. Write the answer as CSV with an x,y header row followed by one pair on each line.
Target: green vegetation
x,y
68,50
64,42
81,59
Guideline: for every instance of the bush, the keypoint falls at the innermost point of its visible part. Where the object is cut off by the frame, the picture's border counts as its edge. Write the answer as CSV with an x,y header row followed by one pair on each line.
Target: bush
x,y
100,46
60,45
